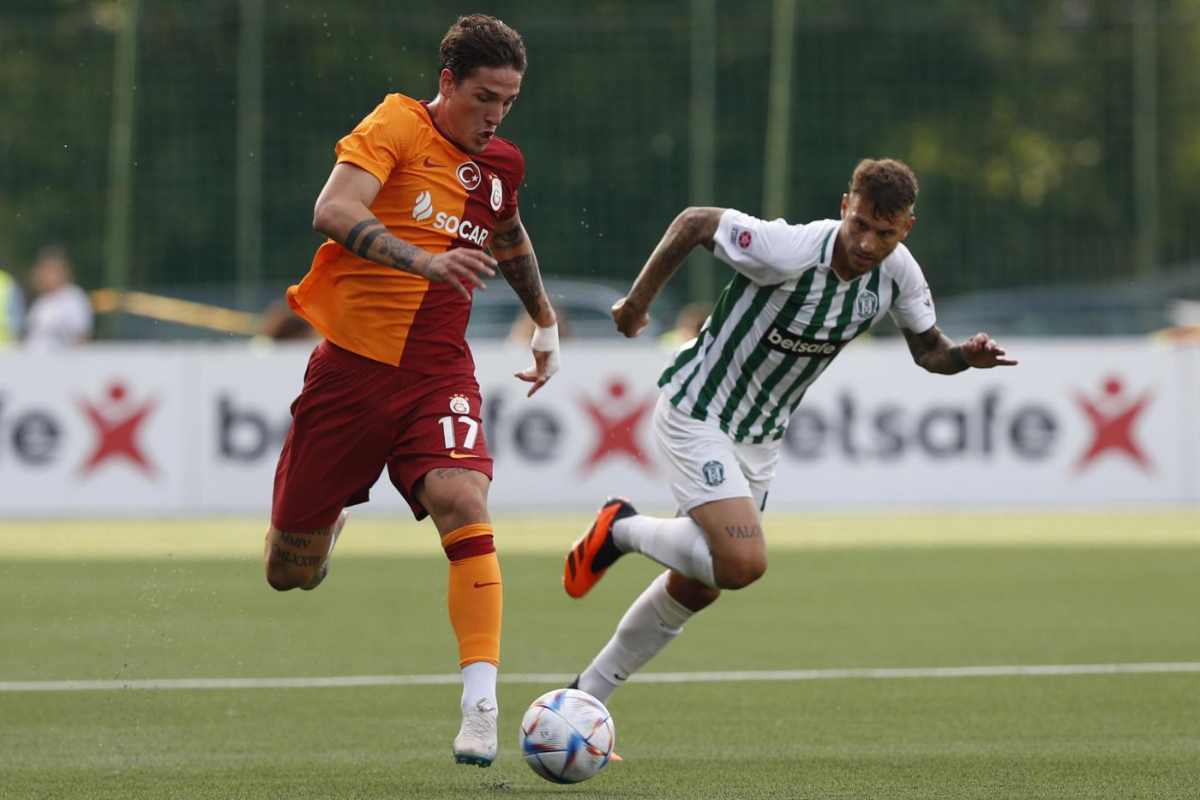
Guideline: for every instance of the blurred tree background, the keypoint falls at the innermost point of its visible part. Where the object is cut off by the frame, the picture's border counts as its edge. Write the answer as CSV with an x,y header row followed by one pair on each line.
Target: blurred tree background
x,y
178,146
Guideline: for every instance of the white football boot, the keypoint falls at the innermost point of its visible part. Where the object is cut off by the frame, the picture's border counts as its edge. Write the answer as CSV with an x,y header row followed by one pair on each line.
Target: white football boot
x,y
476,740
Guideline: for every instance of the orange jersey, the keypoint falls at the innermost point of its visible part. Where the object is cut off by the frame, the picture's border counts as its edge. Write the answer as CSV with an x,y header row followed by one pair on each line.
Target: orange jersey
x,y
433,195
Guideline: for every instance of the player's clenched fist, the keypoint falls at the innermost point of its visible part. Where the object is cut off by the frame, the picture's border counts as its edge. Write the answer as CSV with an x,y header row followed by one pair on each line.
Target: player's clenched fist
x,y
457,267
630,318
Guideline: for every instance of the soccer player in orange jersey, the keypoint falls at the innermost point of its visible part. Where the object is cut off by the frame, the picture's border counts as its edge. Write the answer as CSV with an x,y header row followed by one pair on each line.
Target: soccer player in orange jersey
x,y
420,194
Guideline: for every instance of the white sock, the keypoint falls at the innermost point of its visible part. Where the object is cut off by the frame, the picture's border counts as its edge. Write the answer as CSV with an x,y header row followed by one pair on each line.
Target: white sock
x,y
479,683
677,543
649,625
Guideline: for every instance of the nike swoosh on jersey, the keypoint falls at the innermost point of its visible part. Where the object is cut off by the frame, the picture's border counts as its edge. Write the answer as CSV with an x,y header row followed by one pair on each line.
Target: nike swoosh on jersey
x,y
456,454
479,585
430,163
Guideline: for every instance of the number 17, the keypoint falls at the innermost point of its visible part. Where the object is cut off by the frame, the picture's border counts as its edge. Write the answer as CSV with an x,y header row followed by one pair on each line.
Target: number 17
x,y
448,432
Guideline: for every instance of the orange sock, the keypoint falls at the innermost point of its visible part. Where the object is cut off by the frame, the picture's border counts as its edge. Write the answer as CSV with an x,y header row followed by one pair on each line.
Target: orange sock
x,y
476,596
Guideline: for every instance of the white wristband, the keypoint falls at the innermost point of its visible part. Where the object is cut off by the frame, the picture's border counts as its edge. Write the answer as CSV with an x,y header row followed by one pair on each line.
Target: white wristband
x,y
545,339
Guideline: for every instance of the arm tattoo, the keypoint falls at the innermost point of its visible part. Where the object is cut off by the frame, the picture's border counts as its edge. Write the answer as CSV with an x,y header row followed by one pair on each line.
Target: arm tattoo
x,y
523,276
509,239
391,252
357,230
743,531
364,247
398,253
958,358
933,351
678,241
685,232
360,237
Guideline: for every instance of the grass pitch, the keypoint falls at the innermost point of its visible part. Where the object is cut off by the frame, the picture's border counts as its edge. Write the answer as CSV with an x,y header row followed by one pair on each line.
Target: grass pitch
x,y
152,599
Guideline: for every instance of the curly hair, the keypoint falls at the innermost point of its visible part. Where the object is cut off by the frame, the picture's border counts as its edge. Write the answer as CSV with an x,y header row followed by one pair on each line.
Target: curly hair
x,y
889,185
477,40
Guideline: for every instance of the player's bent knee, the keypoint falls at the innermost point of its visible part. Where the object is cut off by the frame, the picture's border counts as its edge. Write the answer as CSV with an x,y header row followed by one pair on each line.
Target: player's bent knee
x,y
455,502
738,573
465,509
690,593
280,579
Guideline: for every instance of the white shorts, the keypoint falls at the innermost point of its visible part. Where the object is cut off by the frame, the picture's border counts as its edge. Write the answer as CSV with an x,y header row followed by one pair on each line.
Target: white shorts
x,y
705,464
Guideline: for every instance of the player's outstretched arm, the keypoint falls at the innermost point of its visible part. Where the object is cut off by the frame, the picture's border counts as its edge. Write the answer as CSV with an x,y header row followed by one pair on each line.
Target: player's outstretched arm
x,y
514,255
691,227
935,352
343,213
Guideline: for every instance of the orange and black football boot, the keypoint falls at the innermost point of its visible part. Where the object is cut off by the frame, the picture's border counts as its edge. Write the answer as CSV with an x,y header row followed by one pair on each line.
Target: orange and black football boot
x,y
595,552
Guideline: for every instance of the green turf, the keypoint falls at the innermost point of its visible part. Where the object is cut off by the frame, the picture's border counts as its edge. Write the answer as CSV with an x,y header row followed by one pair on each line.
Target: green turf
x,y
1128,736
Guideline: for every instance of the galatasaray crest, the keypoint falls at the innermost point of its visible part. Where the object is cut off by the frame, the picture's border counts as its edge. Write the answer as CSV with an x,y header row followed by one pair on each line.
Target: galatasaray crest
x,y
497,198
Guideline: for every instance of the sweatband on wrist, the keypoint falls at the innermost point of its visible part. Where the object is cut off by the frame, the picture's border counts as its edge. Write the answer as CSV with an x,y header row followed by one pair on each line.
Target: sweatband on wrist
x,y
545,339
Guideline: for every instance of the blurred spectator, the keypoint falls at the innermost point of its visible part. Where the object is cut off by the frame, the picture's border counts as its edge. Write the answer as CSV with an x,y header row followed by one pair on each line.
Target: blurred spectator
x,y
687,324
521,331
60,314
280,323
12,309
1185,314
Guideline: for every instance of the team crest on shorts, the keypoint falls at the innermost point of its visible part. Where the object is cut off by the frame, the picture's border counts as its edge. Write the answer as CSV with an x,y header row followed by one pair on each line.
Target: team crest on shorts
x,y
714,473
459,404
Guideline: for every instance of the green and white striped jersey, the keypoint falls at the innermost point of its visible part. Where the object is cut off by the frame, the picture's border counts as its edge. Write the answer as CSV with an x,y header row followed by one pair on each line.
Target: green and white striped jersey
x,y
781,321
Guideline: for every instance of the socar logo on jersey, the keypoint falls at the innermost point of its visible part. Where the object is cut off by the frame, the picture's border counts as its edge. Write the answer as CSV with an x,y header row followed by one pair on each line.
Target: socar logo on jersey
x,y
423,207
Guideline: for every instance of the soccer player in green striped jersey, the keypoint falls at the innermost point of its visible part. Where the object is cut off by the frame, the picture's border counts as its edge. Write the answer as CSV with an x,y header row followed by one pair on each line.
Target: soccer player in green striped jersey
x,y
799,294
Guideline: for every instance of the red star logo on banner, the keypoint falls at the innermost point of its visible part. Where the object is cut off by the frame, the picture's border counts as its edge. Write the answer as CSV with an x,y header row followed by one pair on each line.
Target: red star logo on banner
x,y
618,433
1112,419
116,431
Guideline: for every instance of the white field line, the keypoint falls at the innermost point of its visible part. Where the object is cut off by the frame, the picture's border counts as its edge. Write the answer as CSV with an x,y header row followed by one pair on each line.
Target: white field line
x,y
551,679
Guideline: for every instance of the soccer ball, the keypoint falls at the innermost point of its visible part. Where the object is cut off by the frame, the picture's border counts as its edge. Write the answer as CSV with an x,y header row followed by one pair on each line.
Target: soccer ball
x,y
567,736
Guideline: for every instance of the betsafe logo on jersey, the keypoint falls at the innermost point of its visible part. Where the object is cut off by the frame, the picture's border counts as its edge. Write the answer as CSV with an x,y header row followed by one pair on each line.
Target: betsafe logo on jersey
x,y
790,343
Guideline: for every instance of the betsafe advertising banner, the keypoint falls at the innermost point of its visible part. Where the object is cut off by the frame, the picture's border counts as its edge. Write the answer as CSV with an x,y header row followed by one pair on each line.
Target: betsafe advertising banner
x,y
159,429
101,431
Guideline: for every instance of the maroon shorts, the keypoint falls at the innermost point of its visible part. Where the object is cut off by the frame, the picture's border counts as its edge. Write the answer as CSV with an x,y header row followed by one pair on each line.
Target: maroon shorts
x,y
355,416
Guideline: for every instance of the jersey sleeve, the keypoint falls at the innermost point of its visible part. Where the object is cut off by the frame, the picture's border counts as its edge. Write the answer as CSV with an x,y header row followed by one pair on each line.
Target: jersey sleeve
x,y
768,252
912,307
381,141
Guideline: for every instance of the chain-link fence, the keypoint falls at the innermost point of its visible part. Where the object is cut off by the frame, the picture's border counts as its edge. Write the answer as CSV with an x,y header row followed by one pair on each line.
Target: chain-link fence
x,y
181,145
